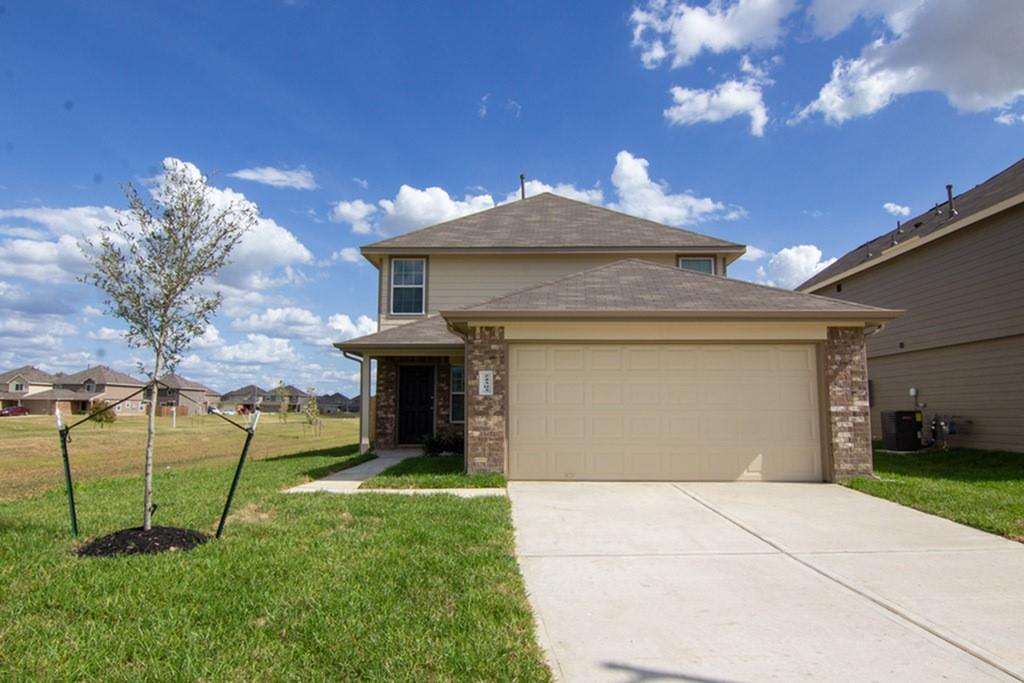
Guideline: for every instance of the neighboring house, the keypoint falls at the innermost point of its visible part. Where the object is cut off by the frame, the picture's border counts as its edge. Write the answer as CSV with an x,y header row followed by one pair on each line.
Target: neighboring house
x,y
334,403
296,399
959,273
21,386
246,398
186,396
82,388
568,341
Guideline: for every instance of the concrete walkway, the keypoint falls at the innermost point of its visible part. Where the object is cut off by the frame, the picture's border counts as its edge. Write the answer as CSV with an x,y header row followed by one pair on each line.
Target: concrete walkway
x,y
751,582
348,481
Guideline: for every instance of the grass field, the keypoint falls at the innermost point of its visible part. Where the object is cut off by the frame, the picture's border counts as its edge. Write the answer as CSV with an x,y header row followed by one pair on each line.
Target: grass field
x,y
30,450
301,587
437,472
983,489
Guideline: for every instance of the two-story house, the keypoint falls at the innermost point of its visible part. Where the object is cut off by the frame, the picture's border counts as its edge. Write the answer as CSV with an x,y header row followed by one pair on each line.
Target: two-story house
x,y
958,271
20,386
81,389
184,395
569,341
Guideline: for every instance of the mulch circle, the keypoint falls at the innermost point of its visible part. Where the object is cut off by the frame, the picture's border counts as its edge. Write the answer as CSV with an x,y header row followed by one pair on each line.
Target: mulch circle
x,y
158,539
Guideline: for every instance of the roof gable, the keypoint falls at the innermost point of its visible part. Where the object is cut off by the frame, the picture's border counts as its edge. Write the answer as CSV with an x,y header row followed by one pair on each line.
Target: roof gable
x,y
29,373
636,286
548,221
100,374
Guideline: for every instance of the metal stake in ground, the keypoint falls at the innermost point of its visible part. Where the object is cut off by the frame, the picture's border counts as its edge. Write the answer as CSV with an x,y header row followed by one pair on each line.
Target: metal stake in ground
x,y
250,432
67,473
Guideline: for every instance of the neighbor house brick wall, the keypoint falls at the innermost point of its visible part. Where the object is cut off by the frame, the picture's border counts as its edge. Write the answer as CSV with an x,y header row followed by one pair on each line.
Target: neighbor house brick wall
x,y
846,374
486,443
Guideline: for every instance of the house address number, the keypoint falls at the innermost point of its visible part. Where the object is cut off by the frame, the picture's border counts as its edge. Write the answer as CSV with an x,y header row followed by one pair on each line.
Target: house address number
x,y
486,382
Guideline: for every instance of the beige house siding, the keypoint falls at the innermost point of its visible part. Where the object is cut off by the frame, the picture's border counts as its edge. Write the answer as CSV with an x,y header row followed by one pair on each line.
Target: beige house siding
x,y
982,381
962,334
114,392
455,281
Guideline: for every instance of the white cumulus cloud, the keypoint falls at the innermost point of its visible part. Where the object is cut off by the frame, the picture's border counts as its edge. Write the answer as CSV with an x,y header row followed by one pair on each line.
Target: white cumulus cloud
x,y
790,266
727,100
970,52
356,213
897,210
348,255
665,29
296,179
639,195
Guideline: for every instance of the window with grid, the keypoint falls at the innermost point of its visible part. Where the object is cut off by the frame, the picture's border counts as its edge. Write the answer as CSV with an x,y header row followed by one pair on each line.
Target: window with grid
x,y
408,286
458,393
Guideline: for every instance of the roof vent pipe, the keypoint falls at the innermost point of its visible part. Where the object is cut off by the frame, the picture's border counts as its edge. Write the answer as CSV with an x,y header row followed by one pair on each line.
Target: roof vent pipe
x,y
949,197
522,186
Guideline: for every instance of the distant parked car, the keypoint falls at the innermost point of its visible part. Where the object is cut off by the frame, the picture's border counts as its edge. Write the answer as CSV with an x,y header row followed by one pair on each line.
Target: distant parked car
x,y
14,411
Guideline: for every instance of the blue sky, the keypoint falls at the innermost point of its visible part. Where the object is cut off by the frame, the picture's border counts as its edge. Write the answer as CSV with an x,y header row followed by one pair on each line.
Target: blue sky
x,y
781,124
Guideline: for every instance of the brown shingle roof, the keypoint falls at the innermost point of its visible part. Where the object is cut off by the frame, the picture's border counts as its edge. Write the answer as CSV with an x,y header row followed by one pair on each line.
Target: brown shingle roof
x,y
547,221
432,331
176,381
100,374
29,373
639,288
999,187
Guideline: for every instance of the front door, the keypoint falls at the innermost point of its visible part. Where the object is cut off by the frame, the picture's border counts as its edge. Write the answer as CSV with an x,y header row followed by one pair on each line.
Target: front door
x,y
415,402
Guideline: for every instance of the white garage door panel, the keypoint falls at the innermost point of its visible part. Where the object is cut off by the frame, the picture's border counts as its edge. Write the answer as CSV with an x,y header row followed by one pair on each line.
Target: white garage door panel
x,y
670,412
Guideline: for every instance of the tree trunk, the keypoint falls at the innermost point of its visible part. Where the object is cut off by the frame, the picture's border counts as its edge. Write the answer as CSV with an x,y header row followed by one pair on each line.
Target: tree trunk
x,y
148,496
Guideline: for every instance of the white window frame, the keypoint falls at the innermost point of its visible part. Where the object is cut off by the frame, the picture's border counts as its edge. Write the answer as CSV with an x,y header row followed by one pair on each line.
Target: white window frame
x,y
87,386
453,394
19,386
422,287
711,259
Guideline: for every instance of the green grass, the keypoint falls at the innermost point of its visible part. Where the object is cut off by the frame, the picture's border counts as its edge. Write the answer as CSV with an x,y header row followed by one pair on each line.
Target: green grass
x,y
301,587
438,472
983,489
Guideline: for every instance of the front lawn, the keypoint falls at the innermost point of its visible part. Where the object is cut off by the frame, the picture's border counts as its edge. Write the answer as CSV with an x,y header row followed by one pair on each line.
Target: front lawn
x,y
983,489
437,472
301,587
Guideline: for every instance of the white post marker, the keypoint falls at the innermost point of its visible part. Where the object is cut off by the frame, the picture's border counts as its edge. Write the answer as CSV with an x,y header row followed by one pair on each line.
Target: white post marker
x,y
174,417
60,423
485,382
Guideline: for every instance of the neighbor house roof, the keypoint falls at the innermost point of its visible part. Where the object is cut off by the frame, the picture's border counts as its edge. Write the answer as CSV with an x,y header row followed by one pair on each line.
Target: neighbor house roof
x,y
429,332
176,381
636,288
548,222
247,391
29,373
995,194
62,395
292,390
100,374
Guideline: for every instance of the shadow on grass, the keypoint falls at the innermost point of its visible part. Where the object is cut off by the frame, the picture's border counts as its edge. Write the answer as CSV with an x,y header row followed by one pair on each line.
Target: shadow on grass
x,y
349,453
956,464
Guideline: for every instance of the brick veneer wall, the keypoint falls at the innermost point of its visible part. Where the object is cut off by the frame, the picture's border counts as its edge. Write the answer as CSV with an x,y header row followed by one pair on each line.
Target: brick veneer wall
x,y
486,444
846,375
387,396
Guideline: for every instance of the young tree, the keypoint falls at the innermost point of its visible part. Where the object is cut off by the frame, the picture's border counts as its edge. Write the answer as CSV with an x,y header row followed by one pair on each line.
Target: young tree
x,y
282,399
99,413
152,265
312,410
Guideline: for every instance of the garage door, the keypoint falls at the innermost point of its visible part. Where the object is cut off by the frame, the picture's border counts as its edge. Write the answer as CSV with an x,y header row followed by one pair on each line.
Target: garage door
x,y
710,412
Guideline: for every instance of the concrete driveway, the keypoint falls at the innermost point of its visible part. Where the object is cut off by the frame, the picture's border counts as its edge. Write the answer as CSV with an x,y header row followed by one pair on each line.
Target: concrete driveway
x,y
639,582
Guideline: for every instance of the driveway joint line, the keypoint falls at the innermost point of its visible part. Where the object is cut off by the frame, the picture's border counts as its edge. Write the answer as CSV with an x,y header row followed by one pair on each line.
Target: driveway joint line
x,y
695,553
884,604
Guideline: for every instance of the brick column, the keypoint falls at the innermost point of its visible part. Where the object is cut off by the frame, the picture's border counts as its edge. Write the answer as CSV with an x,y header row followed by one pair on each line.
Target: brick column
x,y
846,373
486,445
387,403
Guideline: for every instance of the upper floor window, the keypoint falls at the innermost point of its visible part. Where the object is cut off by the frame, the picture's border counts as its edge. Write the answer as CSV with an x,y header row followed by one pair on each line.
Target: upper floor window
x,y
89,387
700,264
18,386
408,286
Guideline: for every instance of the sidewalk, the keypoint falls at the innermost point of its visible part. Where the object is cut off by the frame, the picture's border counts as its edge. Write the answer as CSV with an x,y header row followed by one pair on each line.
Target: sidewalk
x,y
348,481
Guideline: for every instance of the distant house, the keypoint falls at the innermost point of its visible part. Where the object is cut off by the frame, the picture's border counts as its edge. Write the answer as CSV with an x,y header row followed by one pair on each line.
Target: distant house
x,y
334,403
958,271
296,399
246,398
82,388
22,386
186,396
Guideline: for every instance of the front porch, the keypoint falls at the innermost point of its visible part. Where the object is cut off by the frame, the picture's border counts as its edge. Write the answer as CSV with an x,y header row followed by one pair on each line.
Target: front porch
x,y
419,371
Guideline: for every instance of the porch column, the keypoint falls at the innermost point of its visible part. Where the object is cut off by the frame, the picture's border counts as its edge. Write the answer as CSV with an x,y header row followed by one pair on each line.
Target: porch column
x,y
364,404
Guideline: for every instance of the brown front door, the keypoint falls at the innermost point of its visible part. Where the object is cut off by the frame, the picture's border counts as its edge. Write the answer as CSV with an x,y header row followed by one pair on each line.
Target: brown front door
x,y
415,403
